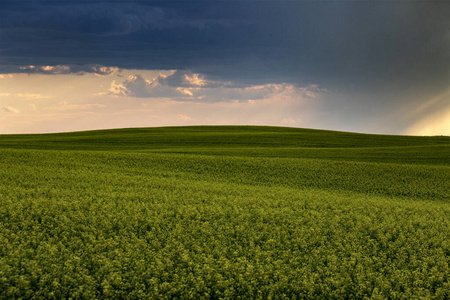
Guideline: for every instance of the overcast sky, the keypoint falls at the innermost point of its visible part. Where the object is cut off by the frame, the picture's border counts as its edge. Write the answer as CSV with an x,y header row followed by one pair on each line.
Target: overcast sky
x,y
361,66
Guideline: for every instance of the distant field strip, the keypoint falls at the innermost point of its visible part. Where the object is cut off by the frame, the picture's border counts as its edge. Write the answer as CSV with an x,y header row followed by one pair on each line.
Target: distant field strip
x,y
134,214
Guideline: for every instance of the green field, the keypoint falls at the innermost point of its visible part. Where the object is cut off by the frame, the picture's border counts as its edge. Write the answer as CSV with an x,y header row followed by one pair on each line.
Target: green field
x,y
224,212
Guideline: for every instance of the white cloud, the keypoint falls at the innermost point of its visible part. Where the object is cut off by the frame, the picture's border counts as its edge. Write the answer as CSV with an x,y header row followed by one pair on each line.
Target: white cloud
x,y
102,70
6,76
30,96
4,94
58,69
185,91
193,87
184,117
95,69
10,109
187,79
195,79
138,86
116,89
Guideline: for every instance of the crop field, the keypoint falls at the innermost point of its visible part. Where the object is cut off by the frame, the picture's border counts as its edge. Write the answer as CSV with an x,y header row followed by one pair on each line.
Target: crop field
x,y
224,212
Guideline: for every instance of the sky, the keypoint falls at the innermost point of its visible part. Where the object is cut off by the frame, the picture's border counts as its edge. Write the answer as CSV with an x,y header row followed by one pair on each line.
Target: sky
x,y
361,66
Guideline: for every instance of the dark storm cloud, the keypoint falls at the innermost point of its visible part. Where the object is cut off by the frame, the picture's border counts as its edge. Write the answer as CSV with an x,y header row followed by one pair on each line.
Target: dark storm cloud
x,y
96,18
88,18
368,44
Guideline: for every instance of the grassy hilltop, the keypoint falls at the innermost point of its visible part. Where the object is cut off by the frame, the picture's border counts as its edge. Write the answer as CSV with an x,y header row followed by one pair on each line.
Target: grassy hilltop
x,y
224,212
246,141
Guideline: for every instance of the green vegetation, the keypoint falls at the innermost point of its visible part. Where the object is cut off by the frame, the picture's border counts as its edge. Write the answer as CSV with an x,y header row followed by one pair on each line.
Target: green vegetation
x,y
224,212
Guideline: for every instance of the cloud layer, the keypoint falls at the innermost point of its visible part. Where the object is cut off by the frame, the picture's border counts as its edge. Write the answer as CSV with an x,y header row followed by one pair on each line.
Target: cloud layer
x,y
189,86
10,109
97,70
